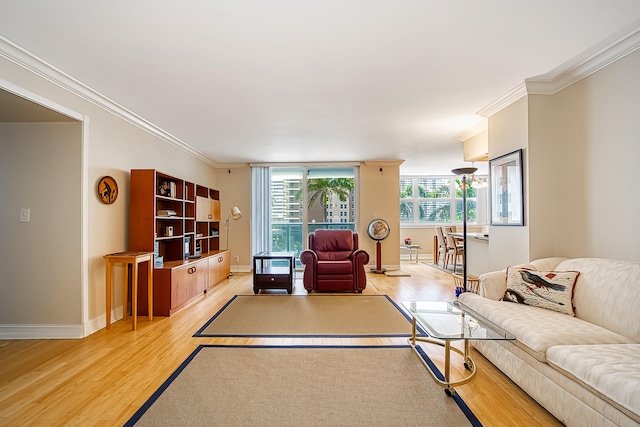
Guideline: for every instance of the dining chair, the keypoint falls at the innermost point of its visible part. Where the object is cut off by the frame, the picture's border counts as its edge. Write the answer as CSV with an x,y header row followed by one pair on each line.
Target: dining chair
x,y
455,249
442,245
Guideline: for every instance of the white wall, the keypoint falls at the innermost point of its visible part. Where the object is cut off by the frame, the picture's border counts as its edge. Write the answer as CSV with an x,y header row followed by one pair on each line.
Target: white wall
x,y
580,165
596,162
235,190
114,147
542,180
379,198
40,260
508,131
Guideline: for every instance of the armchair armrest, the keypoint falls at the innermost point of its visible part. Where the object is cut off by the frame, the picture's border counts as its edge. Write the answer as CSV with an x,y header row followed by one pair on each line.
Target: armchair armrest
x,y
360,257
310,261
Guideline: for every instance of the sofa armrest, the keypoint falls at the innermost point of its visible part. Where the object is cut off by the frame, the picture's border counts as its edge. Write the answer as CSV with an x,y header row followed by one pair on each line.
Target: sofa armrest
x,y
493,284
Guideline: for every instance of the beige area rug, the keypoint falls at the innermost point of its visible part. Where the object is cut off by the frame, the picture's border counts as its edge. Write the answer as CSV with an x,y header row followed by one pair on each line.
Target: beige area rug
x,y
302,386
317,315
396,273
449,269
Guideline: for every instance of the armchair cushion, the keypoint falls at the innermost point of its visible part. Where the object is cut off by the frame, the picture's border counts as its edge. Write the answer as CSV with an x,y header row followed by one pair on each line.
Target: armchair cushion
x,y
335,267
333,246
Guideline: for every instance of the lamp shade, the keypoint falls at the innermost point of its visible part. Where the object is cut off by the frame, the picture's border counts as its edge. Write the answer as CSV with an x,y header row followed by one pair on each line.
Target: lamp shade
x,y
464,171
235,213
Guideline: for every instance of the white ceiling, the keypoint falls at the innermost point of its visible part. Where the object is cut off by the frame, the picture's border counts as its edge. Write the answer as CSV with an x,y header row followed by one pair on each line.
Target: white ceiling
x,y
313,80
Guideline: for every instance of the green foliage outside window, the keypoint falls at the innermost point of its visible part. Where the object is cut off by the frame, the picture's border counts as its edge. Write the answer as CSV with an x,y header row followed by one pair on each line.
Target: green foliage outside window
x,y
434,200
322,189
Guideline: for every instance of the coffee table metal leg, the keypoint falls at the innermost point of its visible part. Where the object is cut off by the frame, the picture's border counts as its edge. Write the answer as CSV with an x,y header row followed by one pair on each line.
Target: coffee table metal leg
x,y
413,332
447,368
469,364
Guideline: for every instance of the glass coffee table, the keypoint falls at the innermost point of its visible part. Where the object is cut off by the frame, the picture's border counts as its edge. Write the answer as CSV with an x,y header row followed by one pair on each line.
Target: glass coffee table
x,y
445,322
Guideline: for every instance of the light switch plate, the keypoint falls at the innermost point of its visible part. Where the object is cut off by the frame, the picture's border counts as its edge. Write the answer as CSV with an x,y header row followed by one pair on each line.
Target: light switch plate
x,y
25,215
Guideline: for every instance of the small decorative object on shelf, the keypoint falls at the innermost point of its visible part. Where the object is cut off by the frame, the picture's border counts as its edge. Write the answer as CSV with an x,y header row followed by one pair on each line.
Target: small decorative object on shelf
x,y
407,241
167,212
167,189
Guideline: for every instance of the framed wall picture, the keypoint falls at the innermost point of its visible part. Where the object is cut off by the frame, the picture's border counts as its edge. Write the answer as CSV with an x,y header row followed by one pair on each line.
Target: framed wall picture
x,y
507,190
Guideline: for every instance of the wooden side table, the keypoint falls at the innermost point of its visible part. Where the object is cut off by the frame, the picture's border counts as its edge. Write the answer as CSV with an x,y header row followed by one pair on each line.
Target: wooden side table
x,y
133,259
269,276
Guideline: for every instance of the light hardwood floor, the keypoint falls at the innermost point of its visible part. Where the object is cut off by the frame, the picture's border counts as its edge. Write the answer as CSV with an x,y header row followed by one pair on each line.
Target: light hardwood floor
x,y
104,378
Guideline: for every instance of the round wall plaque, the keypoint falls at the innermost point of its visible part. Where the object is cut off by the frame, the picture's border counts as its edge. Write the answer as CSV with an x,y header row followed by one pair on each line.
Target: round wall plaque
x,y
107,190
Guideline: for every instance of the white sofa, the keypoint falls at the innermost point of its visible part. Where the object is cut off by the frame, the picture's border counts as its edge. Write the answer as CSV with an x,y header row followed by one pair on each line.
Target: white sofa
x,y
585,370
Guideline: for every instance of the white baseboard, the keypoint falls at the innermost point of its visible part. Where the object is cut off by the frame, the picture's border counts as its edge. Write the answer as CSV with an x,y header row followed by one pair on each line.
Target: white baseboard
x,y
39,332
45,332
241,268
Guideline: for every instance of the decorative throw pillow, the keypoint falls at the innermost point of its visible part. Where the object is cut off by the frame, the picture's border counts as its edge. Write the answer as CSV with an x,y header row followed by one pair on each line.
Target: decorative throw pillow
x,y
552,290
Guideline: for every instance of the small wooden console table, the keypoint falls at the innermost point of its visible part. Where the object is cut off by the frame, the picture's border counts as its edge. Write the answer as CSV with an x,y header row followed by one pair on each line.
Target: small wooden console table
x,y
133,259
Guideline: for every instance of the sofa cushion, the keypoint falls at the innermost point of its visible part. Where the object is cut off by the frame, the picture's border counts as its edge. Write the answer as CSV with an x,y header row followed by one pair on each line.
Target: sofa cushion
x,y
552,290
610,371
607,293
536,329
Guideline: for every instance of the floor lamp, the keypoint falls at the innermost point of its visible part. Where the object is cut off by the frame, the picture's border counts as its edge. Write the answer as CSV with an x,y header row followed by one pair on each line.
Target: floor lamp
x,y
234,214
464,172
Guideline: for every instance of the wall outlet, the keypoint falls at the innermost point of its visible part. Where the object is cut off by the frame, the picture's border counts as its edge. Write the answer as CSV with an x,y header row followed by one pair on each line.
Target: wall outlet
x,y
237,258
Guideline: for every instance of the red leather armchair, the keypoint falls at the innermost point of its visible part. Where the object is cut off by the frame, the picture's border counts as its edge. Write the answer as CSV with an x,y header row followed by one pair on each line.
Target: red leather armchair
x,y
333,262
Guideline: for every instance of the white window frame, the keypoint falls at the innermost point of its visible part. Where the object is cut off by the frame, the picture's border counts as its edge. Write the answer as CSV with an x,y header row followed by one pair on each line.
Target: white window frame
x,y
416,199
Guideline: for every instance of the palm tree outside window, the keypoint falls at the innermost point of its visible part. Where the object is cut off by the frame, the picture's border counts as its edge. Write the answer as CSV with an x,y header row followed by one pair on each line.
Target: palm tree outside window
x,y
434,200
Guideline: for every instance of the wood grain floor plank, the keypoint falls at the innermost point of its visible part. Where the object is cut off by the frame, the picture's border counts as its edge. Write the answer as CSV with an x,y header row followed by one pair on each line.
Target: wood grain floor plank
x,y
104,378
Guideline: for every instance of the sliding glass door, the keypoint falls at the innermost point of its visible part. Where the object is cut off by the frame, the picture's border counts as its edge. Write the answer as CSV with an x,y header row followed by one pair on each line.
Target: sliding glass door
x,y
305,199
286,210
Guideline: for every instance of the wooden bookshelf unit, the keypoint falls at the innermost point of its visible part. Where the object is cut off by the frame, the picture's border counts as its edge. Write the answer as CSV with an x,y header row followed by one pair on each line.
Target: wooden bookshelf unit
x,y
179,221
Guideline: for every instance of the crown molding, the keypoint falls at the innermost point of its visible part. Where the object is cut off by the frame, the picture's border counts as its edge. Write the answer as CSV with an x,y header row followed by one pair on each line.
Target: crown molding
x,y
474,130
232,165
302,164
515,93
570,72
27,60
383,162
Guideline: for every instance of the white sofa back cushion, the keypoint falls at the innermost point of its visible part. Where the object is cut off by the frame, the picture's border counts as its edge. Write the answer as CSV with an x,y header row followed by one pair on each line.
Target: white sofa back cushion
x,y
607,293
